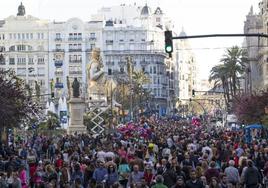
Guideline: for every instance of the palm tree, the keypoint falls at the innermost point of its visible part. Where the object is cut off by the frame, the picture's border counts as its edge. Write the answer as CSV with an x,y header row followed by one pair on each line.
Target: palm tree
x,y
140,78
235,61
226,74
218,75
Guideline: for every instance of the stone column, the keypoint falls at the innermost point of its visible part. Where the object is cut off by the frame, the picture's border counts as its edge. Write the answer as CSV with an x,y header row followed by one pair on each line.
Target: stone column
x,y
76,123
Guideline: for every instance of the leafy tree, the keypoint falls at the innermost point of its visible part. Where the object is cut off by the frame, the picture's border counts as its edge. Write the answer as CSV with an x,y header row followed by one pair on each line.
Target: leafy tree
x,y
17,106
251,108
53,121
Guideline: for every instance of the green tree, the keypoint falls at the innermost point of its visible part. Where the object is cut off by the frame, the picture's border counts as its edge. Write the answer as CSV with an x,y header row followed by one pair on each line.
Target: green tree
x,y
17,106
225,75
53,121
235,61
218,74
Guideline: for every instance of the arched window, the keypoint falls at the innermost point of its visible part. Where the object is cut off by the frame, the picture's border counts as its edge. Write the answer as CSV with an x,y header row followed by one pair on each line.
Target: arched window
x,y
12,48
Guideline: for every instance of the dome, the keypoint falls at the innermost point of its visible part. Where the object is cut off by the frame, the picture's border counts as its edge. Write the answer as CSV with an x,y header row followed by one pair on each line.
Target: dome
x,y
145,11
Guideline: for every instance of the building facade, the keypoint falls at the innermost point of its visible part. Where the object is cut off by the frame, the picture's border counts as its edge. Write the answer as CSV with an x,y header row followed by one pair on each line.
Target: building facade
x,y
52,54
256,78
24,48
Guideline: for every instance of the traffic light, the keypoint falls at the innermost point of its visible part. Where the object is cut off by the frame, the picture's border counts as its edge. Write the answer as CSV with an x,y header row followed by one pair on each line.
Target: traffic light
x,y
168,43
52,95
193,93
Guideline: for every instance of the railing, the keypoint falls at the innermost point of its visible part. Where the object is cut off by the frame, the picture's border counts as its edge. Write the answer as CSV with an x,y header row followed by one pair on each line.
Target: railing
x,y
75,50
75,39
58,39
109,41
58,73
75,72
92,39
75,61
58,50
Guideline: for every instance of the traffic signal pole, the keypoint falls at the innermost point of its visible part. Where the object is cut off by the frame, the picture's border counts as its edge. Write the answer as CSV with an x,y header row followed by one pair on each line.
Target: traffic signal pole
x,y
222,35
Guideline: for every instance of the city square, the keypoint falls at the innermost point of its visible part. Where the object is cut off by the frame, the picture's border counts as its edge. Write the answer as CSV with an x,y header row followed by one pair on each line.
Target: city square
x,y
126,99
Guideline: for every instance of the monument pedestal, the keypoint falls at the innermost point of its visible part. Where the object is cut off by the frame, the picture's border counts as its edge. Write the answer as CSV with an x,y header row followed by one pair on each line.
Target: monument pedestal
x,y
76,123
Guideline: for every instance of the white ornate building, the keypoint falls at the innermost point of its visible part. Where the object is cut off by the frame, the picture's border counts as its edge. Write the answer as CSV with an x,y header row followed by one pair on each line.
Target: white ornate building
x,y
49,52
24,48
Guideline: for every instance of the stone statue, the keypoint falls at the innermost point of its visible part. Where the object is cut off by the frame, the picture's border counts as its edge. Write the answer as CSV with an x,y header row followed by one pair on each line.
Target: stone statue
x,y
76,86
95,71
21,10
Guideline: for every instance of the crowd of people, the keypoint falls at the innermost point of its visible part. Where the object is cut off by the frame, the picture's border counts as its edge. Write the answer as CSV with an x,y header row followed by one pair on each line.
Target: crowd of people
x,y
173,154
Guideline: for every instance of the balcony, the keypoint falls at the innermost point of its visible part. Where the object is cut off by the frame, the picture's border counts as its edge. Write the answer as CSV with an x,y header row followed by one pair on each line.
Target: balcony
x,y
75,50
58,73
75,72
111,63
76,61
59,85
58,39
58,50
93,39
89,49
58,63
75,39
109,41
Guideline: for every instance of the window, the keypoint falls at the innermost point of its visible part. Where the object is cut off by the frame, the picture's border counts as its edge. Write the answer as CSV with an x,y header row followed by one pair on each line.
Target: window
x,y
80,36
23,36
30,48
121,47
154,70
21,48
58,36
109,71
70,36
14,36
38,35
12,61
41,71
21,71
12,49
92,35
41,60
31,36
30,60
79,46
122,69
92,46
18,35
21,60
27,36
42,36
58,46
10,36
157,19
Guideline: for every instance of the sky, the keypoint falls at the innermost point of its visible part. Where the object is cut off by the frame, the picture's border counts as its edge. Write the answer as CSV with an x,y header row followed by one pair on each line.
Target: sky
x,y
196,17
